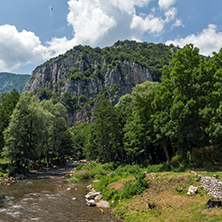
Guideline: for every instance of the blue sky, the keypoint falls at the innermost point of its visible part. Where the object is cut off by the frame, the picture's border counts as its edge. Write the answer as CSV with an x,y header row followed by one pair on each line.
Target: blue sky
x,y
33,31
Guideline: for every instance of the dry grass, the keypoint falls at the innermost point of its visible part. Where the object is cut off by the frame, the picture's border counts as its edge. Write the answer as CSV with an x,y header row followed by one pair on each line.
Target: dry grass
x,y
82,172
168,191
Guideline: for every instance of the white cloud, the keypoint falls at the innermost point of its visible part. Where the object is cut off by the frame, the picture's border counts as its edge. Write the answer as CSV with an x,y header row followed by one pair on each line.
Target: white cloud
x,y
94,23
19,48
170,14
98,22
165,4
150,23
177,23
207,41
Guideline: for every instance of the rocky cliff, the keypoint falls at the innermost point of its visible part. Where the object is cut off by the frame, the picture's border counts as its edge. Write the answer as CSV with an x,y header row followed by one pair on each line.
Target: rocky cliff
x,y
83,75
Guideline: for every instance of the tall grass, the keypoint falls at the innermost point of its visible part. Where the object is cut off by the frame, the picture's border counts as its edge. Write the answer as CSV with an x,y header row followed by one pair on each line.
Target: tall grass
x,y
109,173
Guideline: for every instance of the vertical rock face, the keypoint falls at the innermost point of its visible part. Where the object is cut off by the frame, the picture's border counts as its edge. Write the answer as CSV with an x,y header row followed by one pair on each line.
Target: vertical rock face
x,y
81,75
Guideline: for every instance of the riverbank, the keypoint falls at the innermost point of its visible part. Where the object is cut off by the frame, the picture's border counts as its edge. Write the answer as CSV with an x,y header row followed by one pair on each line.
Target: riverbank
x,y
48,196
166,191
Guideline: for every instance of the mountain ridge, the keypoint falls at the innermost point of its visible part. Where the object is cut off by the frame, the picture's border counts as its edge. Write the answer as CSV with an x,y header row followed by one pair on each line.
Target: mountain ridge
x,y
10,81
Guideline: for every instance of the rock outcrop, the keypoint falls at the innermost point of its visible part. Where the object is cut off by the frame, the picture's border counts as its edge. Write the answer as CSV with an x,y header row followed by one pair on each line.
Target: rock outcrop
x,y
86,75
85,78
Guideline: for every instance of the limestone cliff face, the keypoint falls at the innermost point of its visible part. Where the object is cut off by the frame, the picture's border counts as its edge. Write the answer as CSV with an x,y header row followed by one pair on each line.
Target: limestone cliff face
x,y
81,75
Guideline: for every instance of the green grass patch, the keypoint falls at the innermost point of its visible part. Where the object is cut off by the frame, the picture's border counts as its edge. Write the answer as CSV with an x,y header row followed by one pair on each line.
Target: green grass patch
x,y
210,173
129,191
79,175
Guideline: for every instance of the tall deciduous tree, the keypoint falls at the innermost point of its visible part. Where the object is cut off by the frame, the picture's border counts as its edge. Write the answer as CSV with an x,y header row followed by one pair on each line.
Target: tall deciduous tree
x,y
139,137
7,106
37,132
59,138
24,135
102,142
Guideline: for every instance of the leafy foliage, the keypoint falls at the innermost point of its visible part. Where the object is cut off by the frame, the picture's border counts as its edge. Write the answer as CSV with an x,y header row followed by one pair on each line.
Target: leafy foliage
x,y
37,132
7,106
176,120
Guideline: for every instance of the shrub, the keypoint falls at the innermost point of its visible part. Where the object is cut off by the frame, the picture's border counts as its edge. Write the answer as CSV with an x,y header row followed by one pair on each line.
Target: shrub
x,y
180,168
176,160
80,175
155,168
80,167
2,174
131,189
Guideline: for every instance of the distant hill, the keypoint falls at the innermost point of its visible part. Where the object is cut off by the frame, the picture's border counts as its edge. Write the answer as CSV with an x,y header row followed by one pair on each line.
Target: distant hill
x,y
10,81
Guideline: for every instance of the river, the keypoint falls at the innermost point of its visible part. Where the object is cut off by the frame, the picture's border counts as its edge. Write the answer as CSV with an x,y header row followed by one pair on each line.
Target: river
x,y
48,196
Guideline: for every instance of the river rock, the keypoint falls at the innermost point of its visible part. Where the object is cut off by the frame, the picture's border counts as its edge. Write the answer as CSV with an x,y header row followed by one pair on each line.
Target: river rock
x,y
192,190
91,195
89,187
98,198
91,203
103,204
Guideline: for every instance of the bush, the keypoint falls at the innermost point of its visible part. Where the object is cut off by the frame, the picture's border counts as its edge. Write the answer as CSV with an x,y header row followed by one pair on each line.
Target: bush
x,y
176,160
80,167
80,175
155,168
131,189
2,174
180,168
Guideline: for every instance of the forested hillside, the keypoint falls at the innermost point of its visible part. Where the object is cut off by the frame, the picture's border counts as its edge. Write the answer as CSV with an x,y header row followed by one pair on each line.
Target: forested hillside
x,y
83,76
176,121
9,81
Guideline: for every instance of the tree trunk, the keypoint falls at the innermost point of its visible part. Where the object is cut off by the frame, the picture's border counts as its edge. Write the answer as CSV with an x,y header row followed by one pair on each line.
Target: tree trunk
x,y
165,147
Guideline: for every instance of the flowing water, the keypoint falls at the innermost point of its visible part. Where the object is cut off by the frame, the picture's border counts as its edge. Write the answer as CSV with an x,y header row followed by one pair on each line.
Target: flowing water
x,y
47,196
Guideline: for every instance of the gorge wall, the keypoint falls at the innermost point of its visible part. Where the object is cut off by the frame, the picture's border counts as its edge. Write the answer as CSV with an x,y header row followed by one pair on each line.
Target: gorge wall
x,y
83,76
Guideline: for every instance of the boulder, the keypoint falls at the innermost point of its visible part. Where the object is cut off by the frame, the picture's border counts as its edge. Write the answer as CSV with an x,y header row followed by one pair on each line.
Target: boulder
x,y
98,198
103,204
91,203
92,195
192,190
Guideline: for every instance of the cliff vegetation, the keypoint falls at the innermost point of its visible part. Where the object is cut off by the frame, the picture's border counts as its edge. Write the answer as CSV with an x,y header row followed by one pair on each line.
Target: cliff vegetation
x,y
83,76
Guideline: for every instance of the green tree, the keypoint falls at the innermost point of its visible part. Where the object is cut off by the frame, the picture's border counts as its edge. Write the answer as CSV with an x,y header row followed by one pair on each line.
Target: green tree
x,y
69,102
59,138
139,128
180,97
79,135
7,106
101,143
24,135
212,111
